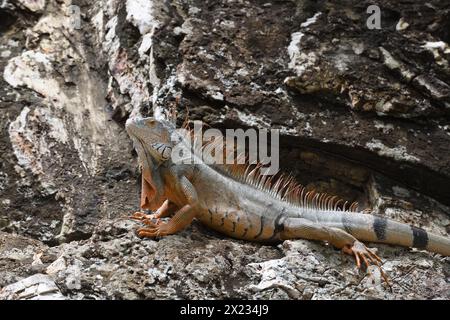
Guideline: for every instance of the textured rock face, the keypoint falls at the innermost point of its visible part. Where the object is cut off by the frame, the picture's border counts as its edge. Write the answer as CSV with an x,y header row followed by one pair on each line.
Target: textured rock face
x,y
363,113
195,264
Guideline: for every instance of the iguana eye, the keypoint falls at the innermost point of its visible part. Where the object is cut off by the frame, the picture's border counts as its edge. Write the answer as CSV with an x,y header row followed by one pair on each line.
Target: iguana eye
x,y
163,150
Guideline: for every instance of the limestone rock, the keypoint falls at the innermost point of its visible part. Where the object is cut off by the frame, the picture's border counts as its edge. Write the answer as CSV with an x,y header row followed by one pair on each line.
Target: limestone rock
x,y
363,113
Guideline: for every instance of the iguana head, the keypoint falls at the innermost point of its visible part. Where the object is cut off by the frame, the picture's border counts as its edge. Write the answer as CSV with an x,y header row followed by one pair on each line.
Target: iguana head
x,y
152,139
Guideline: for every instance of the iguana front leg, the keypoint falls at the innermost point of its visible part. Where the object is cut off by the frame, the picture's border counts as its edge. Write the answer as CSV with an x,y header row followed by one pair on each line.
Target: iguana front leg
x,y
182,218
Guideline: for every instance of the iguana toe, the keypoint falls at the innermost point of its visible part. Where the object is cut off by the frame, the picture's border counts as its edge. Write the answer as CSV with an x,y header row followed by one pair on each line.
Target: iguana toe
x,y
148,232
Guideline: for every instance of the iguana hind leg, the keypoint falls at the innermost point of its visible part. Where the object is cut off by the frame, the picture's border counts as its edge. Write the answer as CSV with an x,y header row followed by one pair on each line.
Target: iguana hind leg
x,y
179,221
295,228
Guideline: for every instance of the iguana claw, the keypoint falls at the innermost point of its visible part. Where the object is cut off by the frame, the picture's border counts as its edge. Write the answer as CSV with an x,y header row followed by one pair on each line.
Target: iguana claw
x,y
157,228
147,219
147,233
153,224
140,216
368,257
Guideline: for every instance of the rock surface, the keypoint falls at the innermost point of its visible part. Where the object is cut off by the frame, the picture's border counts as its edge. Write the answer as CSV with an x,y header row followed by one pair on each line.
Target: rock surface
x,y
363,114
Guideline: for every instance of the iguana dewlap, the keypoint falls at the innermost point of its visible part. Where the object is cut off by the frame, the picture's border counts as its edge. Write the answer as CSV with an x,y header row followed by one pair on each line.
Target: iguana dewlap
x,y
245,205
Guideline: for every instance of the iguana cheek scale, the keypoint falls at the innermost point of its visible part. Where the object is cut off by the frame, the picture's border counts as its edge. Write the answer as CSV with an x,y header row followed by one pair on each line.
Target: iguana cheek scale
x,y
240,202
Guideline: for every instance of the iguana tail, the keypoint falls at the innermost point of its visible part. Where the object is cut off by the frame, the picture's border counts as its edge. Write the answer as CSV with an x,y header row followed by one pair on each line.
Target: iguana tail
x,y
371,228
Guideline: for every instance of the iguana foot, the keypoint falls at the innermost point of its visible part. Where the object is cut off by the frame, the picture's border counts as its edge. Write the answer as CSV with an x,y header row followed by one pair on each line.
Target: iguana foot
x,y
367,256
141,216
150,221
361,252
166,210
147,219
155,230
178,222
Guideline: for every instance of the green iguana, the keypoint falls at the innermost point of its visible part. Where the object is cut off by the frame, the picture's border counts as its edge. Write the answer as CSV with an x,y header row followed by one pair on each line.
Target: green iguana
x,y
243,204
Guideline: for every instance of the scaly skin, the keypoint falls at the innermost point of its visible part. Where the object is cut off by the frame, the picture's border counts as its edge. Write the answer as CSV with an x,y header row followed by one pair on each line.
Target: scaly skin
x,y
249,211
